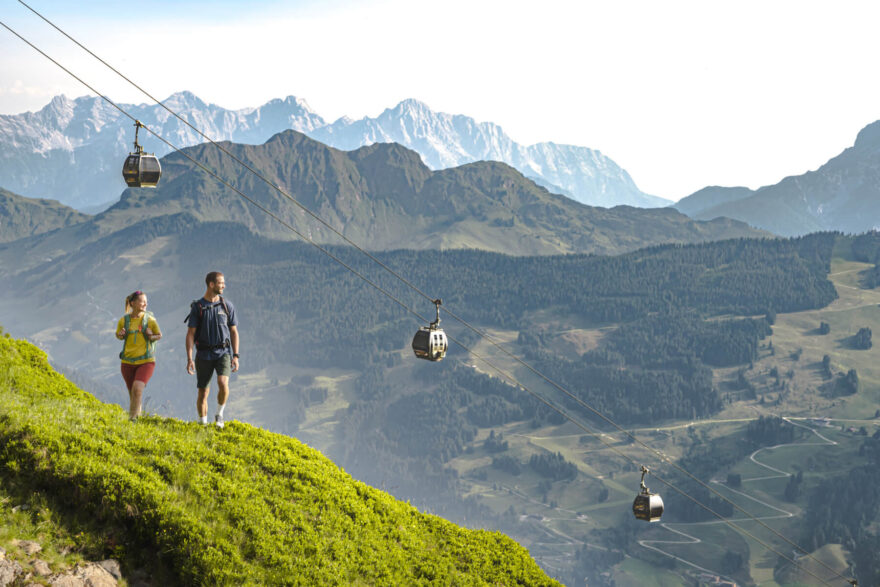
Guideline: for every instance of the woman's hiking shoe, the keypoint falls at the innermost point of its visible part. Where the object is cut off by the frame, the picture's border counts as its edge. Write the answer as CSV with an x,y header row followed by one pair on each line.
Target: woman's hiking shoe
x,y
218,420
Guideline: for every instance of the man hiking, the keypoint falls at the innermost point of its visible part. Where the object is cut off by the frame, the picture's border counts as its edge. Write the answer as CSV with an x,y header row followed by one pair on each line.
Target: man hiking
x,y
214,332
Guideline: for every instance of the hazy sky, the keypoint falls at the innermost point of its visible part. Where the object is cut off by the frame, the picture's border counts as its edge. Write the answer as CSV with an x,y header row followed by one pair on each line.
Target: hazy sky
x,y
682,94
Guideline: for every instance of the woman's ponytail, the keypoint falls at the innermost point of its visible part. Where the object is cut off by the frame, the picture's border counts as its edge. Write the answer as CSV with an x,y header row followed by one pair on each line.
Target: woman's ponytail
x,y
130,298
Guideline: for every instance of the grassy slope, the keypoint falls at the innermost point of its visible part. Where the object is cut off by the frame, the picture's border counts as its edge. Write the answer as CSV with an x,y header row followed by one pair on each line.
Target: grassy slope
x,y
235,506
21,217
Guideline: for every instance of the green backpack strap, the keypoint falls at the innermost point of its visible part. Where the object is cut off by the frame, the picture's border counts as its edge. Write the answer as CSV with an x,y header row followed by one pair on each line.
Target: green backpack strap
x,y
143,330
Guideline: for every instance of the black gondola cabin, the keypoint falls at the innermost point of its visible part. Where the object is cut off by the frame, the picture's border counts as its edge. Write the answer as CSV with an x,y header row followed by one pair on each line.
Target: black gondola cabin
x,y
141,170
647,506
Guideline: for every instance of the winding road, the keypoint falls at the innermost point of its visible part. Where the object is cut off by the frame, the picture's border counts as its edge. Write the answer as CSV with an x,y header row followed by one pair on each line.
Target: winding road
x,y
777,474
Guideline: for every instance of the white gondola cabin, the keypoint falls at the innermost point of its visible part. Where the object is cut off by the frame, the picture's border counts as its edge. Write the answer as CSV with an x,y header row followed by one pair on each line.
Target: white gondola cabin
x,y
430,341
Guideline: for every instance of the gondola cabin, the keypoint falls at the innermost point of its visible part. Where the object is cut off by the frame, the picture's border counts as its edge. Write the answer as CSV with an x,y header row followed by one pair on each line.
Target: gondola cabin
x,y
430,344
430,341
648,507
141,170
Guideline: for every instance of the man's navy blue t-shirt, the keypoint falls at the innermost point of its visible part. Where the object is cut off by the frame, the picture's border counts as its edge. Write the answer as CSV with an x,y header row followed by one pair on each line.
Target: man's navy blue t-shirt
x,y
215,328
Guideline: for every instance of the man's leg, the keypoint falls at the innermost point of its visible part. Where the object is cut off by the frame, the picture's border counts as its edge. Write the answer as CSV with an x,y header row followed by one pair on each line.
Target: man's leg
x,y
202,403
222,396
224,368
222,389
204,372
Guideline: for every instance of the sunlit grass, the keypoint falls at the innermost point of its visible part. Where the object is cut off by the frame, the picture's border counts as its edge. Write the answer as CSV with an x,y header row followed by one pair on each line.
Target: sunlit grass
x,y
238,505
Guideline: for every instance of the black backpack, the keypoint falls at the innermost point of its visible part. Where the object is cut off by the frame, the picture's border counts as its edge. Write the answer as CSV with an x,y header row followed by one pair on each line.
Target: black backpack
x,y
202,345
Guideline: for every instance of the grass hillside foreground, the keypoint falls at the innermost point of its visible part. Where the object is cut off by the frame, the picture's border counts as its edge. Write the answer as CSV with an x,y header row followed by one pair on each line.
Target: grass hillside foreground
x,y
233,506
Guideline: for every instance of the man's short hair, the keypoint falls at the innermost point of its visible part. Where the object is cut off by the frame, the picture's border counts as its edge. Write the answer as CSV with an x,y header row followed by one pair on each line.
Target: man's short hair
x,y
212,277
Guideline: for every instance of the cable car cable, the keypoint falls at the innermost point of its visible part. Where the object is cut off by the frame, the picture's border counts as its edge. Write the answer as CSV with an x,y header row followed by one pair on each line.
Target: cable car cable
x,y
214,174
663,457
223,149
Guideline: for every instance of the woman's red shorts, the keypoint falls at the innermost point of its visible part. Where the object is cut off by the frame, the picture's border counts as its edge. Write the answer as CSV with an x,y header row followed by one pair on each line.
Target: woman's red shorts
x,y
132,373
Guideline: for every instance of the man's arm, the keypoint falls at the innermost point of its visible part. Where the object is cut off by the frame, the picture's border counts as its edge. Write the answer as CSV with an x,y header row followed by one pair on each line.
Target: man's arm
x,y
233,337
190,340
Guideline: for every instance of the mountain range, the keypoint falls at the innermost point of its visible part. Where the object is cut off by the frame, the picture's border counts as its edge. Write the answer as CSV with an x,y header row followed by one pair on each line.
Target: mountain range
x,y
843,195
72,150
327,358
384,197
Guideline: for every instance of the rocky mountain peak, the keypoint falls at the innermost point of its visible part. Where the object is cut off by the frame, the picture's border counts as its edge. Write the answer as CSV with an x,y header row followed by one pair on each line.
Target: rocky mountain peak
x,y
293,100
59,110
869,137
57,103
411,107
184,100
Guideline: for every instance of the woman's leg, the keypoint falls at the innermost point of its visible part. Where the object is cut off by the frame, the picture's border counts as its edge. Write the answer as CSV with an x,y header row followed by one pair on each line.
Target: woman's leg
x,y
128,373
142,376
136,393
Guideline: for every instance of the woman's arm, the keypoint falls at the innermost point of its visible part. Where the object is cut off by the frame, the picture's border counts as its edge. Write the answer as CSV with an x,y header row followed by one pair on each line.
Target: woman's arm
x,y
153,332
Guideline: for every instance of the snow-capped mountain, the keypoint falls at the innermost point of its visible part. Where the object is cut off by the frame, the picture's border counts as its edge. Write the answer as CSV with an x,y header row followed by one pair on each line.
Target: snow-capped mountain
x,y
448,140
72,150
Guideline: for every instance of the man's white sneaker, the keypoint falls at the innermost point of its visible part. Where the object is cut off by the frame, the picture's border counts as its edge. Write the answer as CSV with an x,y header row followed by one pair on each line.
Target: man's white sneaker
x,y
218,420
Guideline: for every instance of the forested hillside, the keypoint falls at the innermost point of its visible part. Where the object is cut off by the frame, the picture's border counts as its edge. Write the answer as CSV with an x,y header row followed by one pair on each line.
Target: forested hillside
x,y
327,356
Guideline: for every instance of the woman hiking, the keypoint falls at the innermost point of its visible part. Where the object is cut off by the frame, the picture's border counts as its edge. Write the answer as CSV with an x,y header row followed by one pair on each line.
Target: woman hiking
x,y
139,331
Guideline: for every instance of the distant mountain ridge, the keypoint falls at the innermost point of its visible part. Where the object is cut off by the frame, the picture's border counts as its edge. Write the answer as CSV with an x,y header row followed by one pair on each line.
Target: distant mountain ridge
x,y
72,149
21,217
446,140
843,194
384,197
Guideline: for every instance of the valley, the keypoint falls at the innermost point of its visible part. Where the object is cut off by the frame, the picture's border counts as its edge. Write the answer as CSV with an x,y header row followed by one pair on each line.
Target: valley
x,y
436,434
696,350
571,512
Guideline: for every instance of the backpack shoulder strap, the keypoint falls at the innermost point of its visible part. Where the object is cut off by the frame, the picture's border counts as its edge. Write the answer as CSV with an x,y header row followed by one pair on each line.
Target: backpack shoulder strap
x,y
125,325
145,322
196,304
225,309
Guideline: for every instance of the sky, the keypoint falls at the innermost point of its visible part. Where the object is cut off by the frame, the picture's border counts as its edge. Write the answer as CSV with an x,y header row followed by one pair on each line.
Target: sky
x,y
681,94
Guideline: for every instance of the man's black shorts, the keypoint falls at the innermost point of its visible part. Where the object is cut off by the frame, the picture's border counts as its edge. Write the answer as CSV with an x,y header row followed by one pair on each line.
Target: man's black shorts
x,y
205,369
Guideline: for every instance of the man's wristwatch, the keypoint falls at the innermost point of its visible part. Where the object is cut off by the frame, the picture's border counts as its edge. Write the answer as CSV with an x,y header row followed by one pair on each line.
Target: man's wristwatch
x,y
234,355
